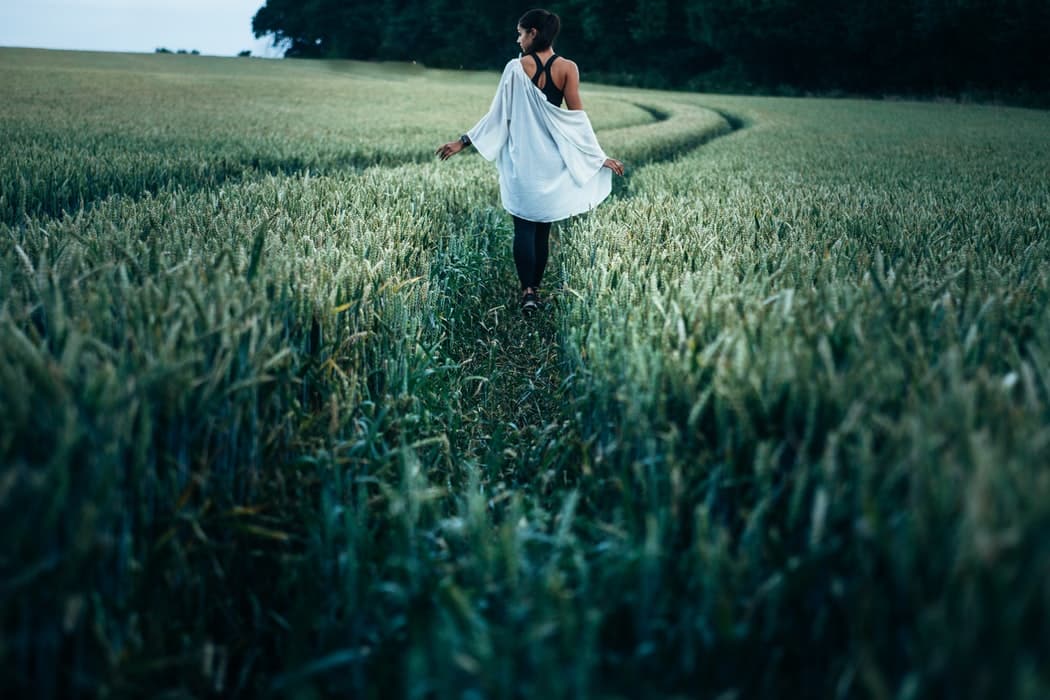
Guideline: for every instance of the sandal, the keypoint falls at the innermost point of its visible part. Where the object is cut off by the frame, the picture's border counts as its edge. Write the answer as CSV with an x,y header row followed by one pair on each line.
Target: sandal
x,y
530,302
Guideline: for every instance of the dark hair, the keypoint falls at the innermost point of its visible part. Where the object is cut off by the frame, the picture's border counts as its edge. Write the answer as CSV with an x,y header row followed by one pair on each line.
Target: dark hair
x,y
546,24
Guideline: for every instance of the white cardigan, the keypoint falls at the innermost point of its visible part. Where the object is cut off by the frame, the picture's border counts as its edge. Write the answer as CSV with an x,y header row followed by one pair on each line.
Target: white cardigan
x,y
549,160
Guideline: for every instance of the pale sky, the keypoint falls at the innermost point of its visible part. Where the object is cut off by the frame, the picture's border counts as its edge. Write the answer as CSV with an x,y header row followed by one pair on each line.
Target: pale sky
x,y
213,27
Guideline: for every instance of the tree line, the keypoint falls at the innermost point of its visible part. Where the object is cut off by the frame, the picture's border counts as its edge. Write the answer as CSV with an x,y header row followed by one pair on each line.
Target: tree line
x,y
864,46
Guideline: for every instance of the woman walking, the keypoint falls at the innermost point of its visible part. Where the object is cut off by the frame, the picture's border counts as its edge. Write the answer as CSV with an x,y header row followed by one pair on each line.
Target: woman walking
x,y
550,164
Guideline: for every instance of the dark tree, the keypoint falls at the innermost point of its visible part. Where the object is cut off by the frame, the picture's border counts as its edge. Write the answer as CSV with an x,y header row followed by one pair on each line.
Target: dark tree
x,y
865,46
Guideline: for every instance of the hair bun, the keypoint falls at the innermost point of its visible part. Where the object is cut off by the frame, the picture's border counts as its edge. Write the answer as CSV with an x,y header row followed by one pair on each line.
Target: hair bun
x,y
546,23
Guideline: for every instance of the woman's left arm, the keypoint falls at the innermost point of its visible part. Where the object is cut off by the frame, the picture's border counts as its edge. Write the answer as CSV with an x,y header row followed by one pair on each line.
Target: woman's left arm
x,y
490,133
447,150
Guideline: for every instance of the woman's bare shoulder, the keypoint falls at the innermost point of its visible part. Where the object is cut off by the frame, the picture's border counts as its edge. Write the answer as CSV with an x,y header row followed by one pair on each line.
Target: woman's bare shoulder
x,y
568,67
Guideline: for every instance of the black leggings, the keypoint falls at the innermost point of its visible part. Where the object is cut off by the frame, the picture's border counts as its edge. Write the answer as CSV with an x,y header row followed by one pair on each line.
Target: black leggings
x,y
531,247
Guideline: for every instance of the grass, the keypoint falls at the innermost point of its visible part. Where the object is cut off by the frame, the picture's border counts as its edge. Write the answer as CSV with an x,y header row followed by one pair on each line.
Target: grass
x,y
79,127
272,424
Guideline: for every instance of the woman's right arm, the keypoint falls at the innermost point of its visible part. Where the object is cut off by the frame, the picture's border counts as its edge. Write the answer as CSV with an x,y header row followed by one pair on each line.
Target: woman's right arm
x,y
572,87
573,101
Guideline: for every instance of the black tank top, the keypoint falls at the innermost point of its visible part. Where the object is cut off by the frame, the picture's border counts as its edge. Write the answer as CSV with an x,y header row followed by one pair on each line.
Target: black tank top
x,y
550,90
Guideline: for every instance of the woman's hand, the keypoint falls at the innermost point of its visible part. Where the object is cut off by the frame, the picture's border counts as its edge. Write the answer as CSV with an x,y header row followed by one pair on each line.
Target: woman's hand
x,y
614,165
450,149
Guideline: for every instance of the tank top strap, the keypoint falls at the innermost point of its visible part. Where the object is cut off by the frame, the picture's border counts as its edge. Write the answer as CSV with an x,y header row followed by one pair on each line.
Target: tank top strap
x,y
539,69
550,90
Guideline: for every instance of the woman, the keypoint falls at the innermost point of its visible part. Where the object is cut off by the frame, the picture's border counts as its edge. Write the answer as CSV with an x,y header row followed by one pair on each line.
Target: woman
x,y
550,164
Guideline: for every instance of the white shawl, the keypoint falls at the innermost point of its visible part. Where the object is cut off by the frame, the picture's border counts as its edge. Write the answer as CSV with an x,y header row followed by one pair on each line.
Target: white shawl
x,y
549,160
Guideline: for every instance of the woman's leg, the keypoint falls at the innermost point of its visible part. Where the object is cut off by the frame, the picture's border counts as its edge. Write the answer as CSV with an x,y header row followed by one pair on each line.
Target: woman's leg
x,y
525,252
542,248
531,249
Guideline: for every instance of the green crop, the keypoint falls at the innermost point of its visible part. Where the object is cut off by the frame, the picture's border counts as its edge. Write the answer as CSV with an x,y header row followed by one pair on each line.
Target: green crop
x,y
271,422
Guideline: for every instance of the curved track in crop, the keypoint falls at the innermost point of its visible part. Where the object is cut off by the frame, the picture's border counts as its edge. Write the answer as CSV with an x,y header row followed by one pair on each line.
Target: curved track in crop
x,y
515,408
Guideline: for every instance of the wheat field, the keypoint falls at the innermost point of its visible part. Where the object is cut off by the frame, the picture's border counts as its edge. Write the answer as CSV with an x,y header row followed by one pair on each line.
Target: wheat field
x,y
272,424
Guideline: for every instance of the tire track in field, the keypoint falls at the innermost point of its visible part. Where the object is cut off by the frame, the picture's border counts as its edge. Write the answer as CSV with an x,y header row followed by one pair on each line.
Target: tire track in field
x,y
199,172
510,365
